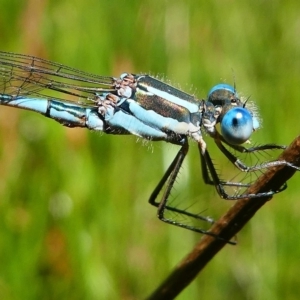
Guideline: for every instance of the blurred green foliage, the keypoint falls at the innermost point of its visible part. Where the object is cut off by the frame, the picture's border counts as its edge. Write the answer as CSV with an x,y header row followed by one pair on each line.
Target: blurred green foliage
x,y
74,217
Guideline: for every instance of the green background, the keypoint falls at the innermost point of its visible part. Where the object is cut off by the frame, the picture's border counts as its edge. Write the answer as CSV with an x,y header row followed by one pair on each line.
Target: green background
x,y
74,217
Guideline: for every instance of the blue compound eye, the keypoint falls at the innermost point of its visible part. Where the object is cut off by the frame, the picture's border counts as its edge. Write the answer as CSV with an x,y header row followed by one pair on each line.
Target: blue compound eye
x,y
221,91
237,126
221,86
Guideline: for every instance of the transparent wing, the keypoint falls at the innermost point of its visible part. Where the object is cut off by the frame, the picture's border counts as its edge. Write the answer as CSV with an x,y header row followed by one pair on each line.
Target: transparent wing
x,y
23,75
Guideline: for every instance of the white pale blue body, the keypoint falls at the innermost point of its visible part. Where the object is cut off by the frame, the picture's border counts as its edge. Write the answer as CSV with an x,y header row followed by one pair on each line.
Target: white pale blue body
x,y
131,116
140,105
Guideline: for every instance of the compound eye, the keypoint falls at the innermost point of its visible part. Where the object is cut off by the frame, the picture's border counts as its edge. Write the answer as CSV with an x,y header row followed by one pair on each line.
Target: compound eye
x,y
221,91
237,125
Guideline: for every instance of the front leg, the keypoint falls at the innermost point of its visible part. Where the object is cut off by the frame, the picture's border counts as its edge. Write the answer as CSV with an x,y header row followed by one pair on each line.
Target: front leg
x,y
241,165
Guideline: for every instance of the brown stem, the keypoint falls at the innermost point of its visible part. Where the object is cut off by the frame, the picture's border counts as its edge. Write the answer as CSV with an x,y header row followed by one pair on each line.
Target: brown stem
x,y
228,225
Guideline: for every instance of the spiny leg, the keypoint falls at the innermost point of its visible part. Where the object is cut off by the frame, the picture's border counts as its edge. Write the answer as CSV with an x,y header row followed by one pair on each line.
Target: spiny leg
x,y
242,166
204,158
247,169
169,179
207,165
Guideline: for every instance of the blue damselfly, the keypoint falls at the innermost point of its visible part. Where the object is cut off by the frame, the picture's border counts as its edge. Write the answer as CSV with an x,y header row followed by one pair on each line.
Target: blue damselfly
x,y
143,106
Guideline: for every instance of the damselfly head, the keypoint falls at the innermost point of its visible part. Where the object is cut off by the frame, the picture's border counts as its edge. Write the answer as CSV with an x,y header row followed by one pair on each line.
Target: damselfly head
x,y
237,122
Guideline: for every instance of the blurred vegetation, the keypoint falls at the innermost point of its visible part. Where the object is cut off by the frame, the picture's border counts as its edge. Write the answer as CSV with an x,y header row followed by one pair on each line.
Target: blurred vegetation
x,y
74,217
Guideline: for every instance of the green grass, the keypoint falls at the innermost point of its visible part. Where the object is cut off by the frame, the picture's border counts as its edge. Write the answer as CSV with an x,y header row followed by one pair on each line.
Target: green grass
x,y
74,217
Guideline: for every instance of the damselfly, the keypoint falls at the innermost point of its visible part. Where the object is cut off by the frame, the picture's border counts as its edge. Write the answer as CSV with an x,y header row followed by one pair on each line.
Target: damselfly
x,y
143,106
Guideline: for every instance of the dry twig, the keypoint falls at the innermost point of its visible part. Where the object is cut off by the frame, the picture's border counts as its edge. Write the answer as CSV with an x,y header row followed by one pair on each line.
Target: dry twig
x,y
228,226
